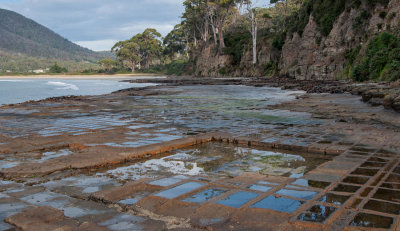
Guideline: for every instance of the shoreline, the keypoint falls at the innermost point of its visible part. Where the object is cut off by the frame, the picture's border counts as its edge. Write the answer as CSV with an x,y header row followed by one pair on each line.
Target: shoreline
x,y
92,153
116,76
376,94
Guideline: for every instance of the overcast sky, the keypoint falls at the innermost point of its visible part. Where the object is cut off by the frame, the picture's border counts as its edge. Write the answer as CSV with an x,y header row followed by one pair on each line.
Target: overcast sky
x,y
98,24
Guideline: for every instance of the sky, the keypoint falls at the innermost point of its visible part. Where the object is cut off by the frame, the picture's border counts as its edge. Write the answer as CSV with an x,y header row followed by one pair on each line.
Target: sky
x,y
99,24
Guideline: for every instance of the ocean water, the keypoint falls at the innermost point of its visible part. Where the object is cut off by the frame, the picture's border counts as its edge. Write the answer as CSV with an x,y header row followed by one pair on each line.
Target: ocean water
x,y
17,91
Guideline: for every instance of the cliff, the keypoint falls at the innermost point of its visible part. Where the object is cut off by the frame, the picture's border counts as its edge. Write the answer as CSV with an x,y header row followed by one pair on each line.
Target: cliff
x,y
315,57
309,55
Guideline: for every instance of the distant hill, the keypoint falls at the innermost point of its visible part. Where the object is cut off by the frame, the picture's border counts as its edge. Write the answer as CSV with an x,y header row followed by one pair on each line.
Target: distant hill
x,y
19,34
22,38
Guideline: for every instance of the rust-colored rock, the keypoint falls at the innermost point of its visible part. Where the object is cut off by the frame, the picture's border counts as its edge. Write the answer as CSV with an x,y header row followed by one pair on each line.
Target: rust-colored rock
x,y
46,219
128,190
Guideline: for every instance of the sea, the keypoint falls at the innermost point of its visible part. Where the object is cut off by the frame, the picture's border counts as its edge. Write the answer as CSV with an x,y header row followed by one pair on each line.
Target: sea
x,y
13,91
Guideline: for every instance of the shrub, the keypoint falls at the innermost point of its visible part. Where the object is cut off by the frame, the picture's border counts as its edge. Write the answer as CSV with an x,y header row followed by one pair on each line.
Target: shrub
x,y
361,19
270,69
392,15
222,71
236,42
298,71
176,67
57,69
381,60
325,14
351,55
279,41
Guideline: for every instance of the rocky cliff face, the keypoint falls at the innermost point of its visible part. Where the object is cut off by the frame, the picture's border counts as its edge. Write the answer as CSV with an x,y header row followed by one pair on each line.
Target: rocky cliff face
x,y
209,63
314,57
310,56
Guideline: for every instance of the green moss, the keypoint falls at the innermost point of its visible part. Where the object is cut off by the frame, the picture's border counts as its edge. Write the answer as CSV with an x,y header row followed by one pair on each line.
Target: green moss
x,y
271,159
189,166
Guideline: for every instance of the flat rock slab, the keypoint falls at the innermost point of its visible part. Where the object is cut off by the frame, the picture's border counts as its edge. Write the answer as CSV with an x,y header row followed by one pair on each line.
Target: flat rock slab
x,y
336,165
47,218
323,177
116,194
102,156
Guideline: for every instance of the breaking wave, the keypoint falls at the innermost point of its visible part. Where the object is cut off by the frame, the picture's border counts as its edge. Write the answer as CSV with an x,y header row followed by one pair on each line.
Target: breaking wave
x,y
63,86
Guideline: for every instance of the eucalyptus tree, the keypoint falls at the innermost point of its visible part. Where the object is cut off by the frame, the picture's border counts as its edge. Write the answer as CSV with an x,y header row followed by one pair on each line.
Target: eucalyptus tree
x,y
218,12
128,51
284,2
107,63
141,48
176,42
150,45
196,19
253,27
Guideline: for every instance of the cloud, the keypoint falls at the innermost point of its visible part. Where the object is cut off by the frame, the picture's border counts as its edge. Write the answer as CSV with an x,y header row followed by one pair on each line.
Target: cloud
x,y
95,23
98,45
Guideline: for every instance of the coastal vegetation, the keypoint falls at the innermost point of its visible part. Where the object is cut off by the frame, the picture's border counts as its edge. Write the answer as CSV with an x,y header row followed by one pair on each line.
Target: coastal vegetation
x,y
141,49
57,69
381,60
238,31
232,38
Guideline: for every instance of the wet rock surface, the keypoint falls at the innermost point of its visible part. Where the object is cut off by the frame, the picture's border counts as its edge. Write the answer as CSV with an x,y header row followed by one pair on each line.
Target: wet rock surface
x,y
200,157
376,94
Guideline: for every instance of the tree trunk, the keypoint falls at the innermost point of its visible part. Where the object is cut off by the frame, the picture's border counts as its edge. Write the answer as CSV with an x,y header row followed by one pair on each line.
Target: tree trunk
x,y
254,28
187,45
214,29
255,48
221,38
215,34
220,22
194,39
205,38
133,66
147,62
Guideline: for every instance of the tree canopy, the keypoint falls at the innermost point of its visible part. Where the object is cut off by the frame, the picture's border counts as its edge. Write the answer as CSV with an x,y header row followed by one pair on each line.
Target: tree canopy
x,y
140,50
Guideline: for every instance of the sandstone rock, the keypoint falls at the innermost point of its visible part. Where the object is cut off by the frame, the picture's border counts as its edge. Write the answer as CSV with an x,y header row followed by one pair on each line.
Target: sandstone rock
x,y
396,104
305,58
376,101
388,101
47,218
373,93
